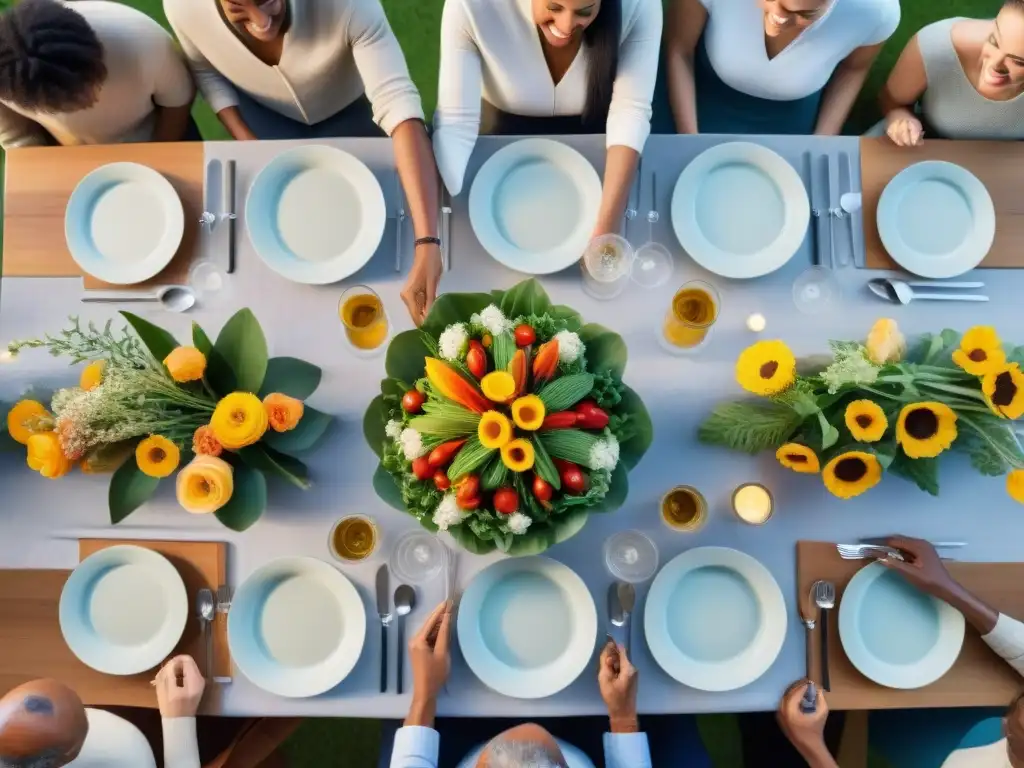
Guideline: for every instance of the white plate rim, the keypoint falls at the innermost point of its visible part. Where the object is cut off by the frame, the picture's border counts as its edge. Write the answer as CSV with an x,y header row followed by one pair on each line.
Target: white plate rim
x,y
735,672
80,204
544,681
933,666
494,170
362,249
714,259
345,657
971,252
74,592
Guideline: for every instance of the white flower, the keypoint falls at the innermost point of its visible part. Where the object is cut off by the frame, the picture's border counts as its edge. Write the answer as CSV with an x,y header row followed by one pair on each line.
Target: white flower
x,y
494,320
447,513
393,429
475,321
412,443
518,523
569,346
452,342
605,454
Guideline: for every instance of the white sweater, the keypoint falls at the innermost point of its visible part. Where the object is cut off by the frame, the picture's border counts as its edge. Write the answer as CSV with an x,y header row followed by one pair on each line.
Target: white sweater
x,y
144,70
490,50
334,51
113,742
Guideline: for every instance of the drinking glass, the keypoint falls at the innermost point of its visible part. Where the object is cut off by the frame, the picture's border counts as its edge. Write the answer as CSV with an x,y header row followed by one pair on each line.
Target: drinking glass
x,y
607,263
753,503
210,283
631,556
815,290
363,316
353,538
653,265
690,318
684,509
417,557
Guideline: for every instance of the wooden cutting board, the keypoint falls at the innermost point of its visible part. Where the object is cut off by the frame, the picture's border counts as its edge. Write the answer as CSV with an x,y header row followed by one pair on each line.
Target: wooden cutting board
x,y
995,163
39,180
34,647
979,677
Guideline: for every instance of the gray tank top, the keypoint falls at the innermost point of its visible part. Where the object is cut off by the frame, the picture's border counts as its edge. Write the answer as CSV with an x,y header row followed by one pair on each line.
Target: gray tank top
x,y
951,104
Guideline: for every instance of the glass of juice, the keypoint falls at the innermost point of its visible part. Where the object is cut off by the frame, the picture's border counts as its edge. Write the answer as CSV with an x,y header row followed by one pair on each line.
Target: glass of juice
x,y
607,264
353,539
362,314
689,320
684,509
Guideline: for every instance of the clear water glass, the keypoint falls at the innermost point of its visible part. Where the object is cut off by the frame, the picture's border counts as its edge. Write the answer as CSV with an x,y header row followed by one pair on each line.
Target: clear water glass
x,y
417,557
653,265
631,556
210,283
815,290
607,263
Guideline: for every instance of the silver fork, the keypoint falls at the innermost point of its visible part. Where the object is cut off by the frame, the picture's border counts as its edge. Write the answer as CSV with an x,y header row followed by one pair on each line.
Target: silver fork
x,y
225,595
399,197
867,552
446,228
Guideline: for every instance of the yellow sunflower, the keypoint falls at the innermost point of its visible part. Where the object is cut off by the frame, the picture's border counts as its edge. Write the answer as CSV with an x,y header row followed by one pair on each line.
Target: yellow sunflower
x,y
980,351
766,368
925,430
799,458
866,421
1004,391
157,456
1015,485
850,474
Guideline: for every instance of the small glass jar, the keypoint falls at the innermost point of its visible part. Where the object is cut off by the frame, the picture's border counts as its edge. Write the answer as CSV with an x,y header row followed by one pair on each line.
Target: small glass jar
x,y
607,264
631,556
753,503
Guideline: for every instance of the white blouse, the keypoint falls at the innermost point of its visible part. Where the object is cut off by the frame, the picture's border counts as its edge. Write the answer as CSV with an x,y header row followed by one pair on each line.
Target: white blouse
x,y
113,742
734,38
334,51
490,49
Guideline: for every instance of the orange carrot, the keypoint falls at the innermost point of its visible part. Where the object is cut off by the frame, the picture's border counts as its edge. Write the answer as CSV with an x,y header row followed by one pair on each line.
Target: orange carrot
x,y
517,367
450,384
546,361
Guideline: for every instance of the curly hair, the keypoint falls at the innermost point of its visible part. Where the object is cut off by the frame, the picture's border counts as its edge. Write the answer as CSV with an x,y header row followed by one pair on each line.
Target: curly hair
x,y
50,58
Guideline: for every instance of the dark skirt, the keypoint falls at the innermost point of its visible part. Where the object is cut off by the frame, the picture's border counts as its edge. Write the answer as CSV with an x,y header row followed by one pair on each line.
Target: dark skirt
x,y
355,120
497,122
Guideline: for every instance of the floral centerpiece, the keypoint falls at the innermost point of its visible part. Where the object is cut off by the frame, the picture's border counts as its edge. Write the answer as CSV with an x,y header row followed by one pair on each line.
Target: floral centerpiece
x,y
220,413
505,422
875,408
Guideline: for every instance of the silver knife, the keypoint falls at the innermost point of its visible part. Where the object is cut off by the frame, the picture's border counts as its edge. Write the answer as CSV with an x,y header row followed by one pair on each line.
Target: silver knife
x,y
823,188
815,210
633,206
399,197
627,598
384,611
446,228
880,541
208,219
845,257
228,215
856,222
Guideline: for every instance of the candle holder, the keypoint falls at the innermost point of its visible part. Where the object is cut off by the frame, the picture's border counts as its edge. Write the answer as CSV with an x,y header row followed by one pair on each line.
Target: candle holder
x,y
753,503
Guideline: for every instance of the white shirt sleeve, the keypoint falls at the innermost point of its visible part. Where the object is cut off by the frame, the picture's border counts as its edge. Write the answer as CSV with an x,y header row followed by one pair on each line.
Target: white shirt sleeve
x,y
459,90
181,749
629,115
890,19
382,67
1007,639
172,84
626,750
216,89
415,747
16,130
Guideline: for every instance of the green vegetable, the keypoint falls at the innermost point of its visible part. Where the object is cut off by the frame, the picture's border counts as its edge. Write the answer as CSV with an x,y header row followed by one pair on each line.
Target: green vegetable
x,y
749,427
470,457
503,346
565,391
570,445
543,465
447,426
494,475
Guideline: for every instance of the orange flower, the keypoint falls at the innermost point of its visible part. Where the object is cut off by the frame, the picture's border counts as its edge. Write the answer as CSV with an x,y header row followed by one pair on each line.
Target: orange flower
x,y
205,443
283,412
185,364
92,375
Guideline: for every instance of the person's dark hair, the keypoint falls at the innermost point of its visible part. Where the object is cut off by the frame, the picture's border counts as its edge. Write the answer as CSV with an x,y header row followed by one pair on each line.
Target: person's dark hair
x,y
602,41
50,58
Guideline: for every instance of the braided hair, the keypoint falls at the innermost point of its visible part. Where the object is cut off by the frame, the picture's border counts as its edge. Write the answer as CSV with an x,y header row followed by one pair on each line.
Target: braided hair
x,y
50,58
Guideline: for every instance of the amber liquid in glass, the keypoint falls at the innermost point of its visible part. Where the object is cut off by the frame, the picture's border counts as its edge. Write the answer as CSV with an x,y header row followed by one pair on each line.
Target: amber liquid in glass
x,y
684,509
366,325
694,310
354,538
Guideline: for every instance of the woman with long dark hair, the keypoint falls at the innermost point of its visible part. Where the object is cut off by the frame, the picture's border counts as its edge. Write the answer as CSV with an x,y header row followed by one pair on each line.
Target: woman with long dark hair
x,y
518,67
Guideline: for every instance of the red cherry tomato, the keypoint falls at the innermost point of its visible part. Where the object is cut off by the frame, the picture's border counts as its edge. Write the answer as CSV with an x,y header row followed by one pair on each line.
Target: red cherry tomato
x,y
573,480
525,335
441,481
412,401
467,488
542,489
421,468
506,501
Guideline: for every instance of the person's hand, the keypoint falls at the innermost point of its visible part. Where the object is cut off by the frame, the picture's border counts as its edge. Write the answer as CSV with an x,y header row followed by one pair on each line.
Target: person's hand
x,y
618,680
179,687
421,287
922,566
428,654
905,132
806,732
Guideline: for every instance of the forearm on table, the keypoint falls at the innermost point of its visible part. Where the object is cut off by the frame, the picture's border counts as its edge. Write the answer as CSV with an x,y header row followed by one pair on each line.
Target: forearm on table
x,y
978,613
414,158
422,712
171,122
839,97
231,118
619,171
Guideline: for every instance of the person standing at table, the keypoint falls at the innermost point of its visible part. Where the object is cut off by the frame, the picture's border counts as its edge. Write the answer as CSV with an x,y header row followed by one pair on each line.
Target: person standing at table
x,y
771,66
309,69
89,72
517,67
967,75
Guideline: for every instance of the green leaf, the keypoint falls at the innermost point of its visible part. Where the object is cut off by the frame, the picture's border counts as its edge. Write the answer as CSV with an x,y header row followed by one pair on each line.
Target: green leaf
x,y
543,465
526,298
129,490
374,421
244,347
387,488
307,432
922,472
266,459
405,356
829,434
451,308
633,449
218,374
618,490
159,342
749,427
606,351
248,500
565,391
568,315
990,442
291,376
535,542
470,541
1015,355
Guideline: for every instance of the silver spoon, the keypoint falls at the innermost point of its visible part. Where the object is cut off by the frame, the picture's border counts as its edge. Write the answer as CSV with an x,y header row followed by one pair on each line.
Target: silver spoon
x,y
175,298
903,292
615,614
825,599
206,608
405,601
627,598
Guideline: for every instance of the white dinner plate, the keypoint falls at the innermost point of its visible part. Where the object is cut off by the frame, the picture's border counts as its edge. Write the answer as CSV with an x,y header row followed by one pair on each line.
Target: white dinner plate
x,y
936,219
715,619
533,205
740,210
123,223
527,627
895,634
296,627
123,609
315,214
